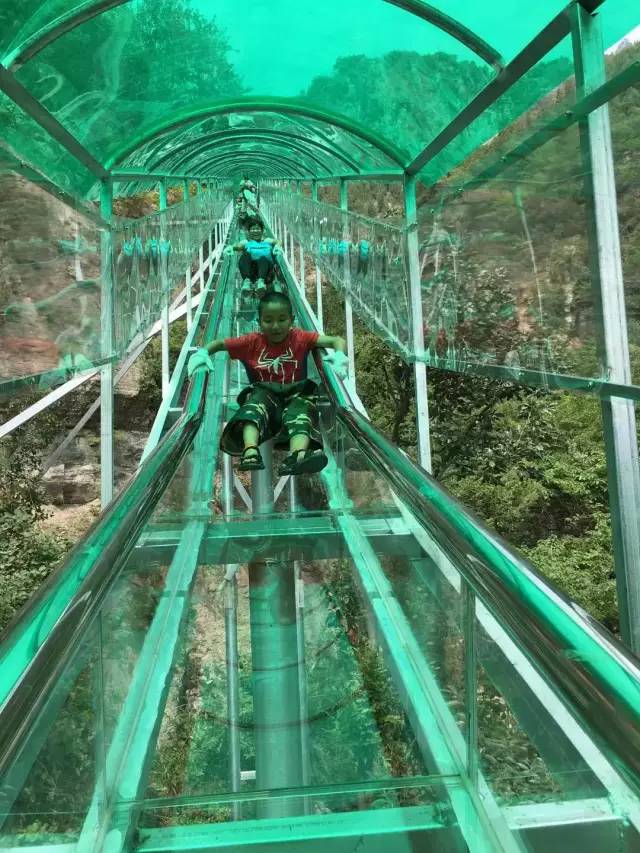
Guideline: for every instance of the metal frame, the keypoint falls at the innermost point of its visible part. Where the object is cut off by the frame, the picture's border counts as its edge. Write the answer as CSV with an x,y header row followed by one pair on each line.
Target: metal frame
x,y
283,106
536,50
236,162
34,109
239,133
417,323
164,313
618,415
290,148
348,308
107,327
596,98
90,9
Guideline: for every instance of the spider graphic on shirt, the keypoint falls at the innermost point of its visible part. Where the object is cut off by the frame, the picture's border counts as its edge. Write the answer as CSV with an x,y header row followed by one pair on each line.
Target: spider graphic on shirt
x,y
272,364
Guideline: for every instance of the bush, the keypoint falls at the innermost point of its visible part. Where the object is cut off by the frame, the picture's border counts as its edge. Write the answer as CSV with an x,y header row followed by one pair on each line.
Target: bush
x,y
27,555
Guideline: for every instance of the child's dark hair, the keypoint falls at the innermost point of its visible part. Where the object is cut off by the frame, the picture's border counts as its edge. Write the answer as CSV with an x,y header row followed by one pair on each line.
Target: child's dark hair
x,y
277,299
251,221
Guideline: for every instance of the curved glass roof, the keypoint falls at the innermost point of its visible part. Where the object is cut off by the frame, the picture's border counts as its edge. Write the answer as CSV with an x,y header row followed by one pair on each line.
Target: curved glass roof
x,y
214,87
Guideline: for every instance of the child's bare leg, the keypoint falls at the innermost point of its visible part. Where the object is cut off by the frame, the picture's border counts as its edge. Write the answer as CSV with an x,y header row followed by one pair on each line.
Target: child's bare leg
x,y
250,435
298,442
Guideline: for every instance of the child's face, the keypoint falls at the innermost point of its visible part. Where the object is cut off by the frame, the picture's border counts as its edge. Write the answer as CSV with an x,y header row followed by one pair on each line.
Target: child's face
x,y
275,322
255,232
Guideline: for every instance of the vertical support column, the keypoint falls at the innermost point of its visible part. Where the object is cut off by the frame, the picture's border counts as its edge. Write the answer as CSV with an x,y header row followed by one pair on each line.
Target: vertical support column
x,y
292,256
164,316
302,270
187,276
319,312
107,303
618,415
274,654
231,633
417,323
305,741
344,205
470,679
200,239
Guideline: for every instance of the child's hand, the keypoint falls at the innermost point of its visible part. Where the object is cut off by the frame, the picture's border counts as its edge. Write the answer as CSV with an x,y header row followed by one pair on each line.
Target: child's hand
x,y
200,358
339,361
228,251
277,252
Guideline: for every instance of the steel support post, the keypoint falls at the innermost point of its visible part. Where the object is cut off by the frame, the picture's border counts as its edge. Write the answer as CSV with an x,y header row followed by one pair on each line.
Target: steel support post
x,y
274,655
108,346
292,256
285,242
348,310
305,742
618,415
417,323
187,274
302,269
201,264
231,632
319,313
471,680
164,278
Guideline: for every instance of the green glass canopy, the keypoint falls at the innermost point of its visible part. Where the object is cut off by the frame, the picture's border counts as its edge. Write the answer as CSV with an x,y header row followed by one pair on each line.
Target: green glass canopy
x,y
195,86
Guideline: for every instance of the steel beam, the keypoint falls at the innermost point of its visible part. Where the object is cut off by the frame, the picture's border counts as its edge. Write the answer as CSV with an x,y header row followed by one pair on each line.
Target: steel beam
x,y
368,831
209,139
283,106
89,9
536,50
417,323
348,308
601,95
34,109
46,401
619,420
280,538
108,346
164,312
274,662
216,140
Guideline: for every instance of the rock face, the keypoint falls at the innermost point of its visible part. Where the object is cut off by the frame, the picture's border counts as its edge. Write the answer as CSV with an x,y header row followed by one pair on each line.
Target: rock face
x,y
49,279
76,478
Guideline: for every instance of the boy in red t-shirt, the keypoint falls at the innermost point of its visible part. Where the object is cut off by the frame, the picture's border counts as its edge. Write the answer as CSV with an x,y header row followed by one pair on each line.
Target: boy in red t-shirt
x,y
280,401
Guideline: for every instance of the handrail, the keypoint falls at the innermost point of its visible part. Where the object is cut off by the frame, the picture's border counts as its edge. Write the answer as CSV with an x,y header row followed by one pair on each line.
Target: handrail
x,y
593,673
67,603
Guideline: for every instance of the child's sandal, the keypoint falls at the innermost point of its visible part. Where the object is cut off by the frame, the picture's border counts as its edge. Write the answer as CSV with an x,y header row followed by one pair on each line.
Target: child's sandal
x,y
251,460
303,462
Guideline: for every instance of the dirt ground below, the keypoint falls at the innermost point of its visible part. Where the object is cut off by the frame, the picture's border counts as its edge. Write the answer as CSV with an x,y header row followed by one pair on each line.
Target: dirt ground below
x,y
71,522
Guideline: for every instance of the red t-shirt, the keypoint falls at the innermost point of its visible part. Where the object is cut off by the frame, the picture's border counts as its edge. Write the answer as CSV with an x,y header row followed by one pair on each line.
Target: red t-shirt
x,y
264,362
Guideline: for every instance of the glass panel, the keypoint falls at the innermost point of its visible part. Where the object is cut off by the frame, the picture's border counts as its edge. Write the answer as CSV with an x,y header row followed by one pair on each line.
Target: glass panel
x,y
48,790
625,127
544,92
50,290
154,249
210,63
363,258
505,269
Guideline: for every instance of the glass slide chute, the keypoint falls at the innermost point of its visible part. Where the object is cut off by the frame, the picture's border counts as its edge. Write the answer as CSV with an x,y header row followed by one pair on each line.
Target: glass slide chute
x,y
350,658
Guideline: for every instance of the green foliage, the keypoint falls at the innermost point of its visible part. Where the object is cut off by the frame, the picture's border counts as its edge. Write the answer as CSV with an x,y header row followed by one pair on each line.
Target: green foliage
x,y
151,361
27,554
582,567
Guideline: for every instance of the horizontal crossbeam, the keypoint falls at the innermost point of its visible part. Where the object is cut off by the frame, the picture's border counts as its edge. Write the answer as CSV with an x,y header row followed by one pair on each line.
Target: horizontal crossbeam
x,y
286,538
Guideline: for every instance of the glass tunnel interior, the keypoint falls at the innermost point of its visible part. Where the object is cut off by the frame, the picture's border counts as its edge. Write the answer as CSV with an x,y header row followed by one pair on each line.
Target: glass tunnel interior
x,y
351,659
